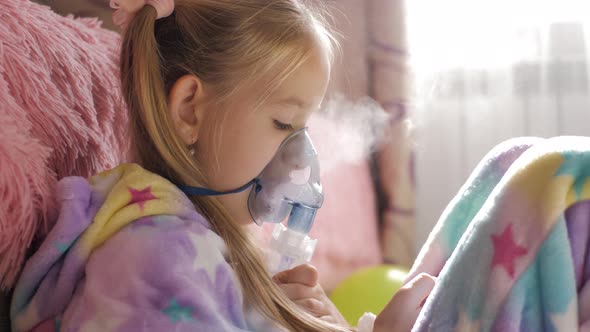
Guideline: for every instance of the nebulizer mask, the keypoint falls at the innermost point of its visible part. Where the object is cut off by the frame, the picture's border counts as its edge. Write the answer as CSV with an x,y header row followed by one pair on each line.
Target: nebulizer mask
x,y
289,186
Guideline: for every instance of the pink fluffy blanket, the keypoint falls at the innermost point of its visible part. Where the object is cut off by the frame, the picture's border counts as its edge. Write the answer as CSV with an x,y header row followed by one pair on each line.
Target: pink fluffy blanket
x,y
59,116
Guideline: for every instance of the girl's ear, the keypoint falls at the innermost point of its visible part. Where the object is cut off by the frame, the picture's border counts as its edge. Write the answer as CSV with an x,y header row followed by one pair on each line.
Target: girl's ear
x,y
186,104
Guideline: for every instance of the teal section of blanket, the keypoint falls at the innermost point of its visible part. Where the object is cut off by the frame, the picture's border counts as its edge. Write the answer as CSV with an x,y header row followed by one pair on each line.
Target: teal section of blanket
x,y
547,287
469,205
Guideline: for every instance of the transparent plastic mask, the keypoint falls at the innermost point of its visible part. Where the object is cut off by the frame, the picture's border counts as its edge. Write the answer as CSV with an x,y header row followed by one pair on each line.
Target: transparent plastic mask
x,y
291,177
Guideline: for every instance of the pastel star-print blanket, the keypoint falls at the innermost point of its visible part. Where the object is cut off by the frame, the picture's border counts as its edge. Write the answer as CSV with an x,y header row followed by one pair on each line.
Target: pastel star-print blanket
x,y
129,253
512,249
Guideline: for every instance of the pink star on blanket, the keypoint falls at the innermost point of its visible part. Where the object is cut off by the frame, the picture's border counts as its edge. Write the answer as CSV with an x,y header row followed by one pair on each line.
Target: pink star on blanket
x,y
141,196
506,251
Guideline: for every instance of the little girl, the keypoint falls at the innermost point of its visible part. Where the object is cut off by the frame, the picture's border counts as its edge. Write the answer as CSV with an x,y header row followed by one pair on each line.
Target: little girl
x,y
213,87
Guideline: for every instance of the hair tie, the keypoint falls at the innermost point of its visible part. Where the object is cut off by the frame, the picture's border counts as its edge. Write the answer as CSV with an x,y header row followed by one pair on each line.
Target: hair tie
x,y
126,9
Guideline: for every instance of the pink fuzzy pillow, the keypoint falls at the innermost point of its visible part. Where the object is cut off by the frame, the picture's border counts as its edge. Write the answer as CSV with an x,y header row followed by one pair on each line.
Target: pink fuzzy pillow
x,y
60,115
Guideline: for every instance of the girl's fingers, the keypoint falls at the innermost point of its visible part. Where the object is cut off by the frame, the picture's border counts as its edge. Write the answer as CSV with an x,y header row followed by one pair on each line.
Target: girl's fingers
x,y
313,306
303,274
402,311
297,292
417,290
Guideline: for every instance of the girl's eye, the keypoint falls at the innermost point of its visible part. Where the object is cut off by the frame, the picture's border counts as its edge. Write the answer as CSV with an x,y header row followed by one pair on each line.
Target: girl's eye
x,y
282,126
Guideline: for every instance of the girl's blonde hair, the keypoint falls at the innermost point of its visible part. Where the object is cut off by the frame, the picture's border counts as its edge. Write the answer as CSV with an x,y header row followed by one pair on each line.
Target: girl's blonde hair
x,y
226,43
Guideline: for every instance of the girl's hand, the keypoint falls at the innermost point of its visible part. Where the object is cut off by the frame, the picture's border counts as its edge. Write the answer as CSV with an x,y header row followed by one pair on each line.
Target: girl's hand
x,y
400,314
300,284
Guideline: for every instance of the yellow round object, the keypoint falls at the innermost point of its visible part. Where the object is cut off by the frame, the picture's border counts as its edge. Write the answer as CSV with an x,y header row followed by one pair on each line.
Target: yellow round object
x,y
368,290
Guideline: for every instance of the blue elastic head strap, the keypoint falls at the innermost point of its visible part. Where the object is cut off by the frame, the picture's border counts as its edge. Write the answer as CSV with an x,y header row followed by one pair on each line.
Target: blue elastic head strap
x,y
196,191
288,183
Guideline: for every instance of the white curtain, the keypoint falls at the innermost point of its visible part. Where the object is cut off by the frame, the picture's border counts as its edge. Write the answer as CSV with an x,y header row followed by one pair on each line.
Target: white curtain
x,y
485,71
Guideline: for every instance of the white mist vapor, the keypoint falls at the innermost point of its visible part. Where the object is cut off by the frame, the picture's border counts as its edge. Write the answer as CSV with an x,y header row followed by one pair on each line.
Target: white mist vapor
x,y
346,131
